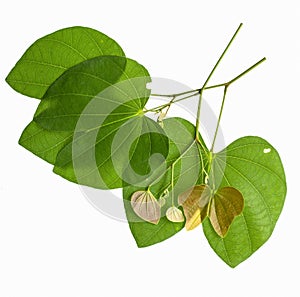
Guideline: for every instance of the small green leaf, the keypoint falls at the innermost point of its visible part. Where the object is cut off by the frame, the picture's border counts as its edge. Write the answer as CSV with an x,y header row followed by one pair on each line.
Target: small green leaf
x,y
227,203
146,206
253,167
50,56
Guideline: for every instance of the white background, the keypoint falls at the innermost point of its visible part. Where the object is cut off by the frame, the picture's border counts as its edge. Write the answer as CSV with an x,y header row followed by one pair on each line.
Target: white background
x,y
54,243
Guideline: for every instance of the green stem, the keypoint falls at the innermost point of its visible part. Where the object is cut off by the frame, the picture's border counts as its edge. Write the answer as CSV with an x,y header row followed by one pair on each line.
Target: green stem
x,y
174,95
169,105
165,188
198,117
197,91
172,183
187,97
246,71
160,107
219,118
223,54
224,96
215,86
208,78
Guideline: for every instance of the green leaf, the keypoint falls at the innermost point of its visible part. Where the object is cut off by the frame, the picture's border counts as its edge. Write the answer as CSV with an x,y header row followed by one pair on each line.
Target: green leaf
x,y
36,137
96,99
189,159
42,64
50,56
253,167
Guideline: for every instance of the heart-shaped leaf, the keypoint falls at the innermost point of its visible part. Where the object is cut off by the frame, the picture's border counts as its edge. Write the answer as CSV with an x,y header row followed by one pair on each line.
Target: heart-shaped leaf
x,y
253,167
97,115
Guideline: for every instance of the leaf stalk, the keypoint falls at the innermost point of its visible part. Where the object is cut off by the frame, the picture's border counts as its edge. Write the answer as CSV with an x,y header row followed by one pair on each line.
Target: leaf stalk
x,y
208,78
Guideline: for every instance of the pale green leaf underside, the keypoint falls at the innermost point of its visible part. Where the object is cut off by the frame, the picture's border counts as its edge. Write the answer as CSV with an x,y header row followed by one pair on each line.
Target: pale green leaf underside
x,y
50,56
253,167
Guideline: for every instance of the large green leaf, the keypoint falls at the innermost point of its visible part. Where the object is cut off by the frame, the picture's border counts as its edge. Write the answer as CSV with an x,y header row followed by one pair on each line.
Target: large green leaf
x,y
42,64
97,98
189,159
253,167
50,56
47,143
